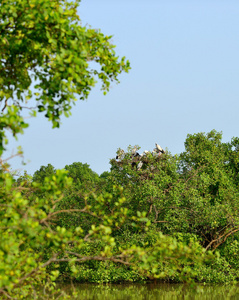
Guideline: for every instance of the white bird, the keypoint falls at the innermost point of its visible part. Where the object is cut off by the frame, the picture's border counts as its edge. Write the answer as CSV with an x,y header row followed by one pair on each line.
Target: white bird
x,y
159,149
120,154
146,152
140,164
134,150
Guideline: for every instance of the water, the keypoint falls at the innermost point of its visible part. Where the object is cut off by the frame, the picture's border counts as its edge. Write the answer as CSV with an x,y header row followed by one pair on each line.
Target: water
x,y
152,292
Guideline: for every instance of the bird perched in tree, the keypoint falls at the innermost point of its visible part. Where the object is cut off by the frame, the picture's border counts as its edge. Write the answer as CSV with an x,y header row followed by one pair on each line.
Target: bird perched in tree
x,y
139,166
134,151
146,152
159,149
120,154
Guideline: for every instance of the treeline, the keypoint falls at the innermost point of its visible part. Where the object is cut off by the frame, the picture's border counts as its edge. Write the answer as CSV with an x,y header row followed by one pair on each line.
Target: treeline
x,y
173,219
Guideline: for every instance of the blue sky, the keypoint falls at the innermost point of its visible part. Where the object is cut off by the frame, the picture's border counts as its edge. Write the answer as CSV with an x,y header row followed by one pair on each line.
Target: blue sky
x,y
184,79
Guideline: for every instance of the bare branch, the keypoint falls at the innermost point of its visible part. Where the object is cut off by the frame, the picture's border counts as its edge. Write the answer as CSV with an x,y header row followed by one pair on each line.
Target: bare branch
x,y
223,237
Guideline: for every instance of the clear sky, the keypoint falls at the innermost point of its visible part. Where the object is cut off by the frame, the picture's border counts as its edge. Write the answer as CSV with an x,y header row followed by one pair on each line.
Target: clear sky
x,y
184,79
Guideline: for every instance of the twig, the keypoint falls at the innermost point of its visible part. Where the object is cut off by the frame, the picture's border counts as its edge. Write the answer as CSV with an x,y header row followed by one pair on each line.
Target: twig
x,y
5,105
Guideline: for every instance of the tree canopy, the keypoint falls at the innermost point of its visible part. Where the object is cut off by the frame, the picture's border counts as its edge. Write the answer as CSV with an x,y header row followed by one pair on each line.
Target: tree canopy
x,y
46,55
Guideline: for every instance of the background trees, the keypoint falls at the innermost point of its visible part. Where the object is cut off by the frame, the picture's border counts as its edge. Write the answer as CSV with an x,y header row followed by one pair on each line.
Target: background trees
x,y
158,221
191,198
212,187
40,175
195,192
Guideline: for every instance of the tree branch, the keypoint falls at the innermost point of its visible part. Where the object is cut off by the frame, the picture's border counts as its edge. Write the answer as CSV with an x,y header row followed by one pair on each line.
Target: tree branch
x,y
223,236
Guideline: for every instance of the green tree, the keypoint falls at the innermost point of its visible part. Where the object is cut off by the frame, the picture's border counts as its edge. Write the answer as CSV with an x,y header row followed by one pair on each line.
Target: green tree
x,y
46,55
85,183
195,192
43,172
192,196
209,169
82,175
151,188
46,58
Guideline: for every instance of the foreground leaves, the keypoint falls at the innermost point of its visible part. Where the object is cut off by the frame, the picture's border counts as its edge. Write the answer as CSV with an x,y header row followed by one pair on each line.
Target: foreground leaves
x,y
31,241
46,56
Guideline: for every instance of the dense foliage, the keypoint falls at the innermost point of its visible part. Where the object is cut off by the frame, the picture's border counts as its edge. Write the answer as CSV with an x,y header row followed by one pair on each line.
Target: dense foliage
x,y
46,54
189,199
175,218
153,216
